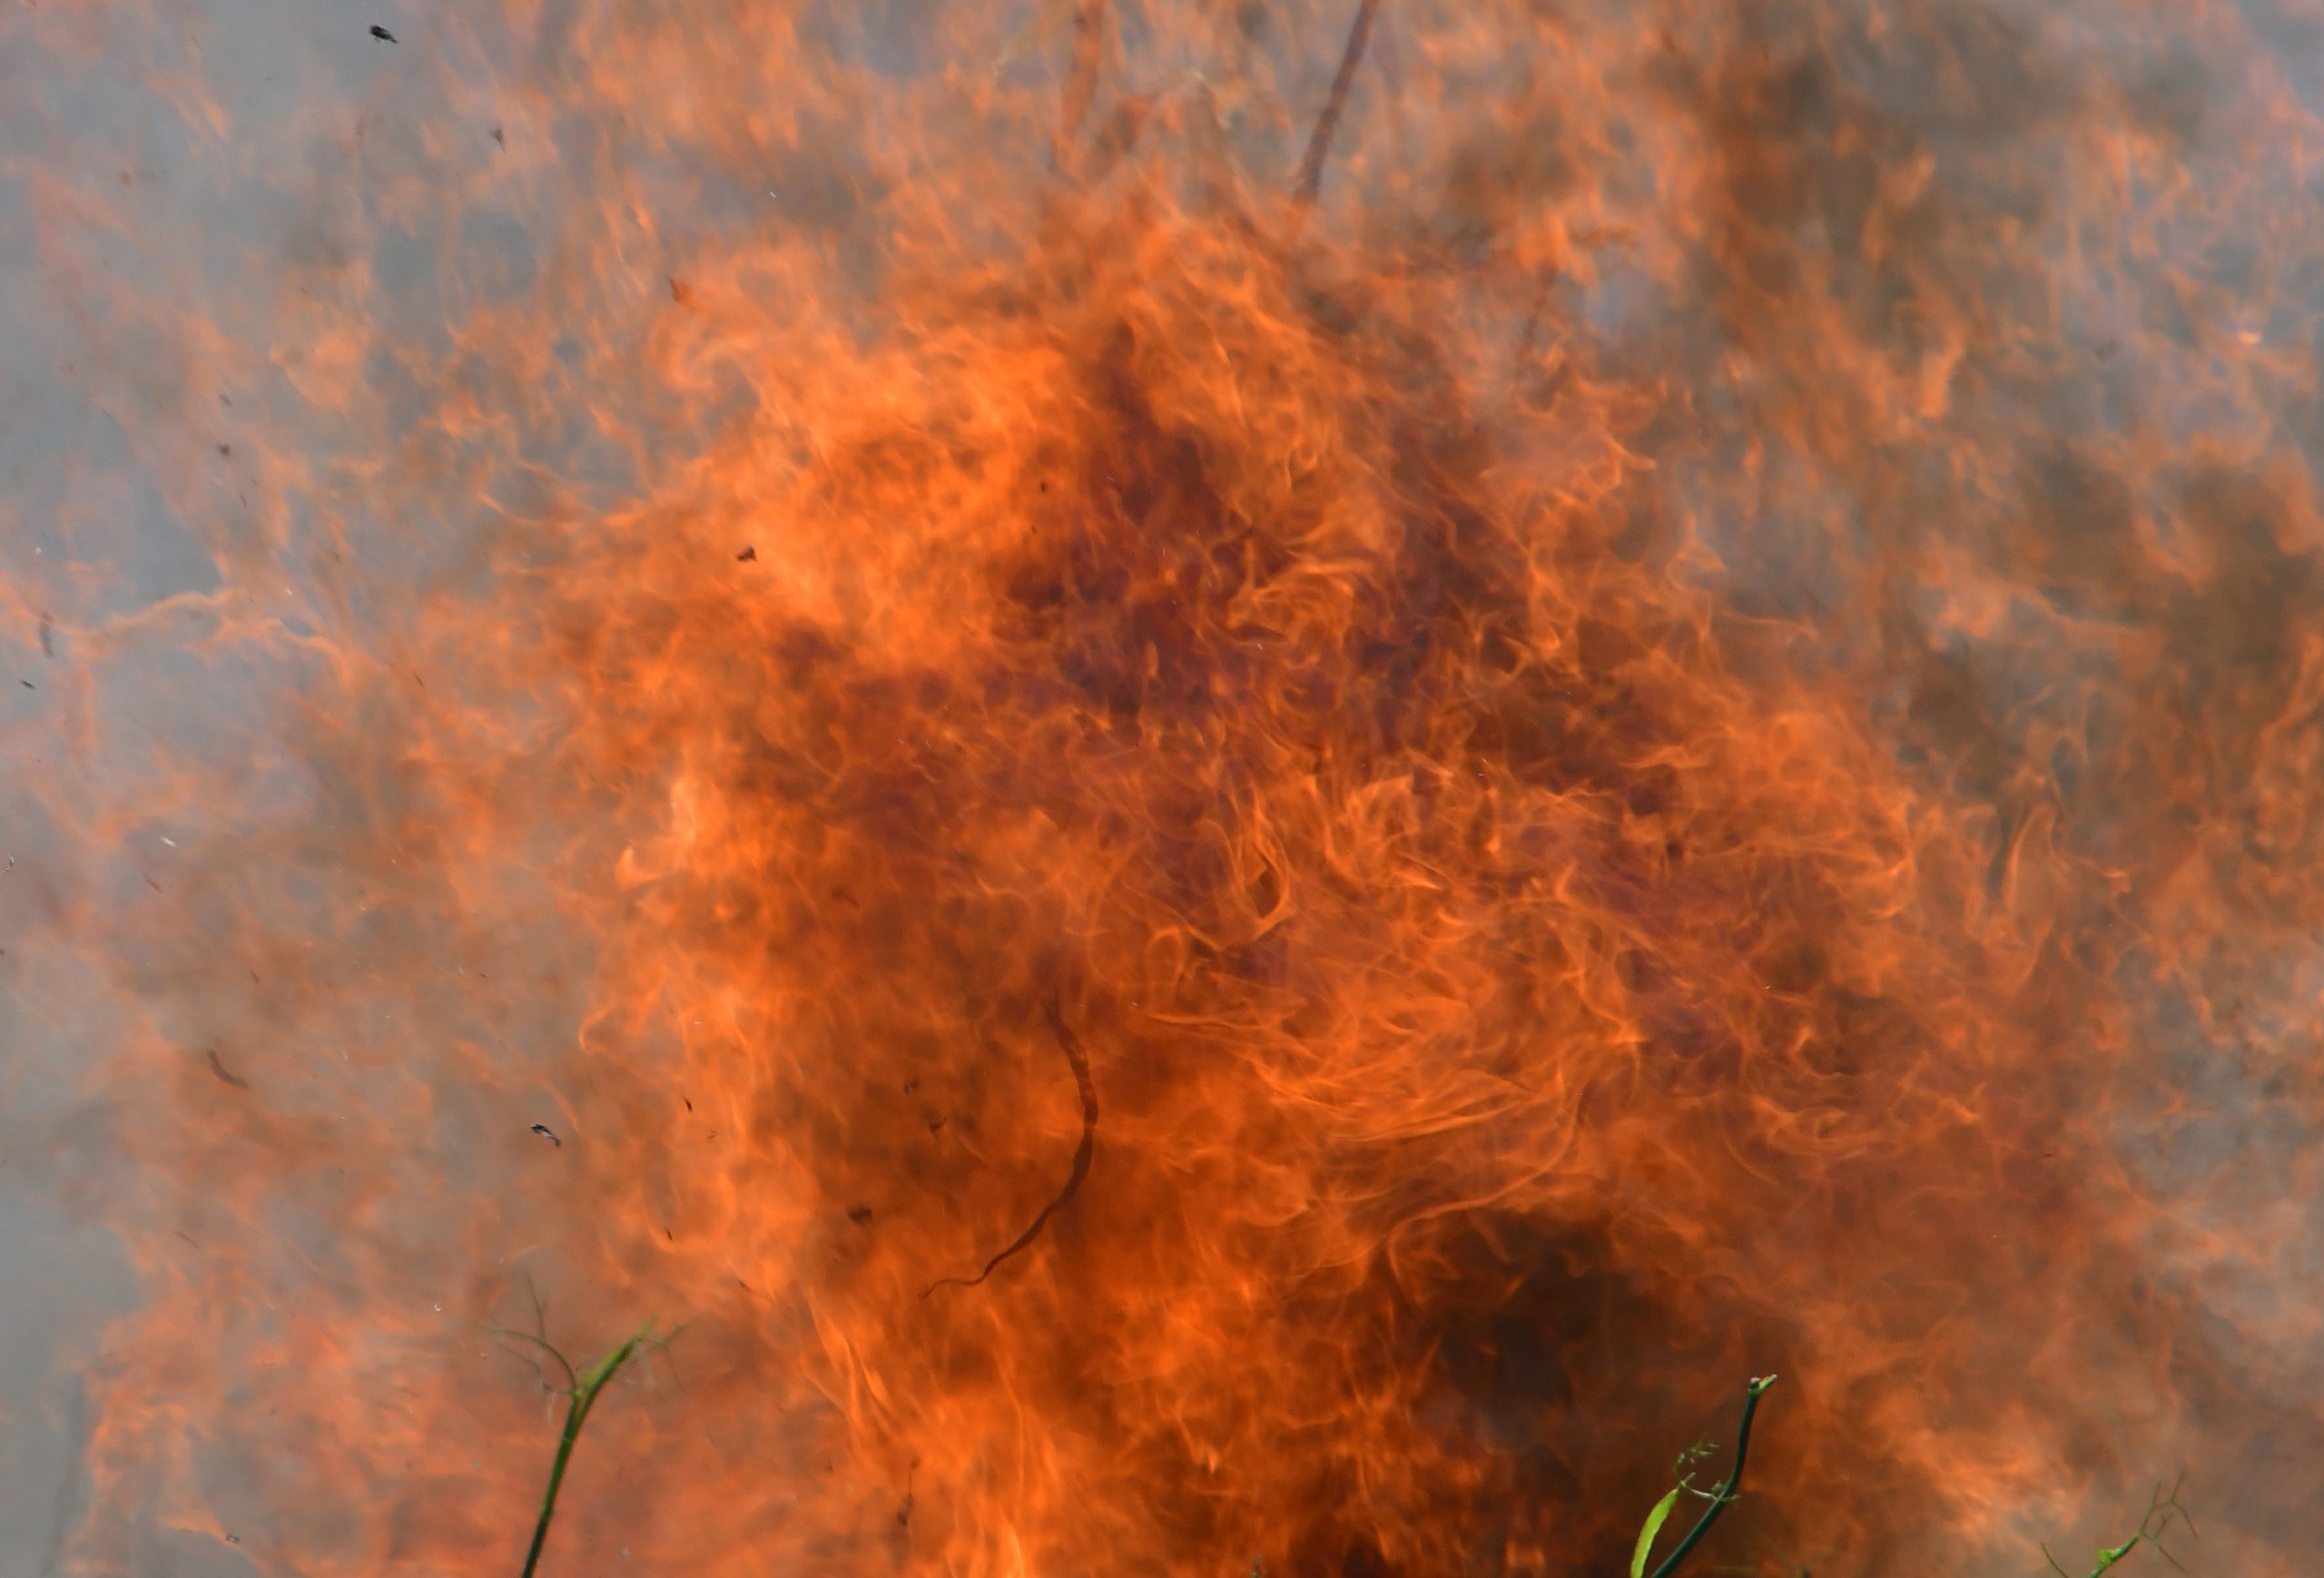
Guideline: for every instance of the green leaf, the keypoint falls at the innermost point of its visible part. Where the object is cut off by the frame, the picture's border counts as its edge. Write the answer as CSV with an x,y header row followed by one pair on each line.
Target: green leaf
x,y
1654,1522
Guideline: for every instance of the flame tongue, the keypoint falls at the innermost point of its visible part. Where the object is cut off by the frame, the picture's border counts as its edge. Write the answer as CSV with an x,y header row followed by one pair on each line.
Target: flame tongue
x,y
1221,871
1484,986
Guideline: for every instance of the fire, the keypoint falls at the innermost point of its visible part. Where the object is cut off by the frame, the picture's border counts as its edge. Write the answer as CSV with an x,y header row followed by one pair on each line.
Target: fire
x,y
1236,785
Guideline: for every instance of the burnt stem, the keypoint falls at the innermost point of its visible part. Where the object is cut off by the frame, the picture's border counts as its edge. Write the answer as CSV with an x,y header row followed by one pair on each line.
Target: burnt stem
x,y
1319,143
1082,1156
1080,82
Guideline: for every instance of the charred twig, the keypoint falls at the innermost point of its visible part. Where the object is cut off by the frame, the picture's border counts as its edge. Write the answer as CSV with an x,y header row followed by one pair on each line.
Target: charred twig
x,y
1082,1154
1729,1487
1319,143
1081,80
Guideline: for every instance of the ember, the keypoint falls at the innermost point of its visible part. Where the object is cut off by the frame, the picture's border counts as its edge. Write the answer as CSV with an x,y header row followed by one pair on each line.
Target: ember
x,y
1449,724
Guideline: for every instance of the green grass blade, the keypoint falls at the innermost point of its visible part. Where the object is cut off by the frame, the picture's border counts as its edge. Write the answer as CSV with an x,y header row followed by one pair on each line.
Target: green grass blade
x,y
1654,1522
578,1402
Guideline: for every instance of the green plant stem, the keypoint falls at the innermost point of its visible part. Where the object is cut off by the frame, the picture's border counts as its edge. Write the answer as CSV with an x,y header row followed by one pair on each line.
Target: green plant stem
x,y
1729,1487
2160,1510
578,1402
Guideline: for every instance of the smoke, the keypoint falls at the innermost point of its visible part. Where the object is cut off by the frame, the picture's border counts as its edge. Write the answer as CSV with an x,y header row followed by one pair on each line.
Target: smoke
x,y
1671,738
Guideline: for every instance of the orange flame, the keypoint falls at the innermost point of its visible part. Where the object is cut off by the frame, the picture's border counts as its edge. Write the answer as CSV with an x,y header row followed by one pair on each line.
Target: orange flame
x,y
1243,781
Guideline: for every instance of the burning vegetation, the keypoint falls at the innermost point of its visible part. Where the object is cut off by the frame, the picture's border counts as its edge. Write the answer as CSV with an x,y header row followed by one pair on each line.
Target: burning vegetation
x,y
1241,783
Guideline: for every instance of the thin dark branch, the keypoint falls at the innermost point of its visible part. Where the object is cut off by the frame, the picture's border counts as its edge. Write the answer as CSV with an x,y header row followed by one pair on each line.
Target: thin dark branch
x,y
538,1336
1080,82
1729,1488
1082,1156
542,1343
1319,143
